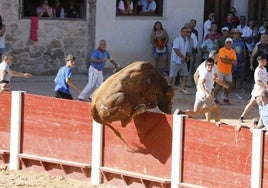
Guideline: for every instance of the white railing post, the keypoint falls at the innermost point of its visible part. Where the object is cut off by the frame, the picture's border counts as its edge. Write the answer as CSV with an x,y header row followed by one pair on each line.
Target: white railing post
x,y
15,129
176,163
97,137
256,159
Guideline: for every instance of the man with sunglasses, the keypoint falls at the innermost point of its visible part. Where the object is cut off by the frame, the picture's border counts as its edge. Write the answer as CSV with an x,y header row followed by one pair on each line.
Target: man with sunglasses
x,y
203,99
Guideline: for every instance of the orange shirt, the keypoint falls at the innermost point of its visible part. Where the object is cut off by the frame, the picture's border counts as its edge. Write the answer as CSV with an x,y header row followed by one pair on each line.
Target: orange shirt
x,y
226,68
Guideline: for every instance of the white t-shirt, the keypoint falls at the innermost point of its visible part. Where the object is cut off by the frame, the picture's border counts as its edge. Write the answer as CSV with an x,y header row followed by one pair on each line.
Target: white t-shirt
x,y
4,67
208,76
259,74
121,5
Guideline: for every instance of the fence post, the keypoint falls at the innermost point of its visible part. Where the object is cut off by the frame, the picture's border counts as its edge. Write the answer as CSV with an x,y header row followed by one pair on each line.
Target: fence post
x,y
15,129
176,163
97,137
257,158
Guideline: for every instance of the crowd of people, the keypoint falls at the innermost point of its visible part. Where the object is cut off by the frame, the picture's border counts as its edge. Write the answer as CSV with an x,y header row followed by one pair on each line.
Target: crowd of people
x,y
242,55
56,9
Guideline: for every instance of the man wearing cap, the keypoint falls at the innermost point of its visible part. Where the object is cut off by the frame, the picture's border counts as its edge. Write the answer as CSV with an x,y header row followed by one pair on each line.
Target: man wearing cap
x,y
260,78
95,74
227,58
225,35
239,69
63,80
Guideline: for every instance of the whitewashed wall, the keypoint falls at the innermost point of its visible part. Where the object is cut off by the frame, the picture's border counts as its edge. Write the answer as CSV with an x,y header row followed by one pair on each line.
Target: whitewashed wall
x,y
128,38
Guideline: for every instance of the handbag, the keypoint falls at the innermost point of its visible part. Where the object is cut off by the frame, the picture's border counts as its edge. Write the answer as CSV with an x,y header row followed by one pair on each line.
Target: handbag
x,y
163,50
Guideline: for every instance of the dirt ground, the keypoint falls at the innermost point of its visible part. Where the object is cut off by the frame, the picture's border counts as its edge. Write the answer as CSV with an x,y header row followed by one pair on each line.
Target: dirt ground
x,y
229,115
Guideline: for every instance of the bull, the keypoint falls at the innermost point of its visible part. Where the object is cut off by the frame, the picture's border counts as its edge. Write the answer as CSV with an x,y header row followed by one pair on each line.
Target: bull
x,y
129,92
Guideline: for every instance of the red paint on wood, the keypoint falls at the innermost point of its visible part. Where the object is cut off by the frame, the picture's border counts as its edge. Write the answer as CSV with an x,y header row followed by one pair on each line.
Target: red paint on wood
x,y
216,157
5,111
58,128
150,135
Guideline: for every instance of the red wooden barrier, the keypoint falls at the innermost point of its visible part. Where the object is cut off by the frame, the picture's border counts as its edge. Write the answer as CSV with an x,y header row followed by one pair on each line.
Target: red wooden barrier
x,y
216,157
150,137
5,111
58,131
265,163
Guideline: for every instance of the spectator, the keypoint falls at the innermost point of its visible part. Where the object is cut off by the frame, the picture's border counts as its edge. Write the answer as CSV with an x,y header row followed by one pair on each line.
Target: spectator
x,y
225,35
44,10
72,11
6,73
238,69
260,49
207,24
249,36
214,27
203,99
63,80
178,60
192,25
125,7
260,78
229,22
95,75
227,58
2,36
148,7
58,9
159,40
209,45
235,18
263,26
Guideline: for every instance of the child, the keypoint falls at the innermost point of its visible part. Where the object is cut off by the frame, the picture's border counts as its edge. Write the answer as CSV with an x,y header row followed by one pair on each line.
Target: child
x,y
63,80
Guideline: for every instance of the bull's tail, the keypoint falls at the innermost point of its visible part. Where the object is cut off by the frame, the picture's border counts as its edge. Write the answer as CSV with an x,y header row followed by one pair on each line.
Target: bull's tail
x,y
117,133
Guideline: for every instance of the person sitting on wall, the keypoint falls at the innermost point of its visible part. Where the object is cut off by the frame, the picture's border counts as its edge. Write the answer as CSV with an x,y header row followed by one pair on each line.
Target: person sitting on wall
x,y
125,7
72,11
44,10
148,7
58,9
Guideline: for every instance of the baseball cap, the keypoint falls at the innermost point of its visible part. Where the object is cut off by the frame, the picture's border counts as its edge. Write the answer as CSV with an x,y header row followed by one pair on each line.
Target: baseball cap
x,y
260,57
228,40
225,29
69,57
212,53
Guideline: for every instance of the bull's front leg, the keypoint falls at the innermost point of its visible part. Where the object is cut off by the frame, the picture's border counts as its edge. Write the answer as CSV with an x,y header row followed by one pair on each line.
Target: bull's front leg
x,y
141,108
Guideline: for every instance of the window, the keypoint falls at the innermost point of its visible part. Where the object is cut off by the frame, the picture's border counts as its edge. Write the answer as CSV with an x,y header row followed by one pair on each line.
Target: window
x,y
29,8
137,9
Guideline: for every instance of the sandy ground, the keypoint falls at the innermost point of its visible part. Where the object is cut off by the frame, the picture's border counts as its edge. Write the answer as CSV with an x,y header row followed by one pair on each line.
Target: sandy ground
x,y
43,85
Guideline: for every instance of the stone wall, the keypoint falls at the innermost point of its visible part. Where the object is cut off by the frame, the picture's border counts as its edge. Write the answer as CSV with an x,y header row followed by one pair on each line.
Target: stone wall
x,y
56,38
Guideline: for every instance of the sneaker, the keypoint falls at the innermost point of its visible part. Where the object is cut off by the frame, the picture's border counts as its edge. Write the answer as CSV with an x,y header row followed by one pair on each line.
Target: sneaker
x,y
217,101
238,96
181,90
226,101
241,119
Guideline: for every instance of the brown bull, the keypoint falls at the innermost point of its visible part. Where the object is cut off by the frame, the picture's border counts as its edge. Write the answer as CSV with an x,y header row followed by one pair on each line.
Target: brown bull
x,y
133,90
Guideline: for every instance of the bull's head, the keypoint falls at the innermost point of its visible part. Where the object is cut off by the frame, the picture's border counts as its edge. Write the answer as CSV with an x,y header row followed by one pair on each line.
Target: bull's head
x,y
166,100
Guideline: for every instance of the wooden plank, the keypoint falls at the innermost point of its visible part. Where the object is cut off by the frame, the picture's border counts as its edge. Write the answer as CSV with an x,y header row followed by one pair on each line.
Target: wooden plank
x,y
135,175
54,161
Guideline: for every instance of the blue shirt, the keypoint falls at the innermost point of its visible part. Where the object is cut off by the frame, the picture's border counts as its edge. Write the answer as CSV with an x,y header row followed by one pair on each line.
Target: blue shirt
x,y
60,80
239,47
97,54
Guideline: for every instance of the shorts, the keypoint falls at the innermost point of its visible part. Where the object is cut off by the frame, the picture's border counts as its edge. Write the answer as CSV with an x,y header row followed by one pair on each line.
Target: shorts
x,y
155,53
175,68
225,77
238,72
200,102
59,94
